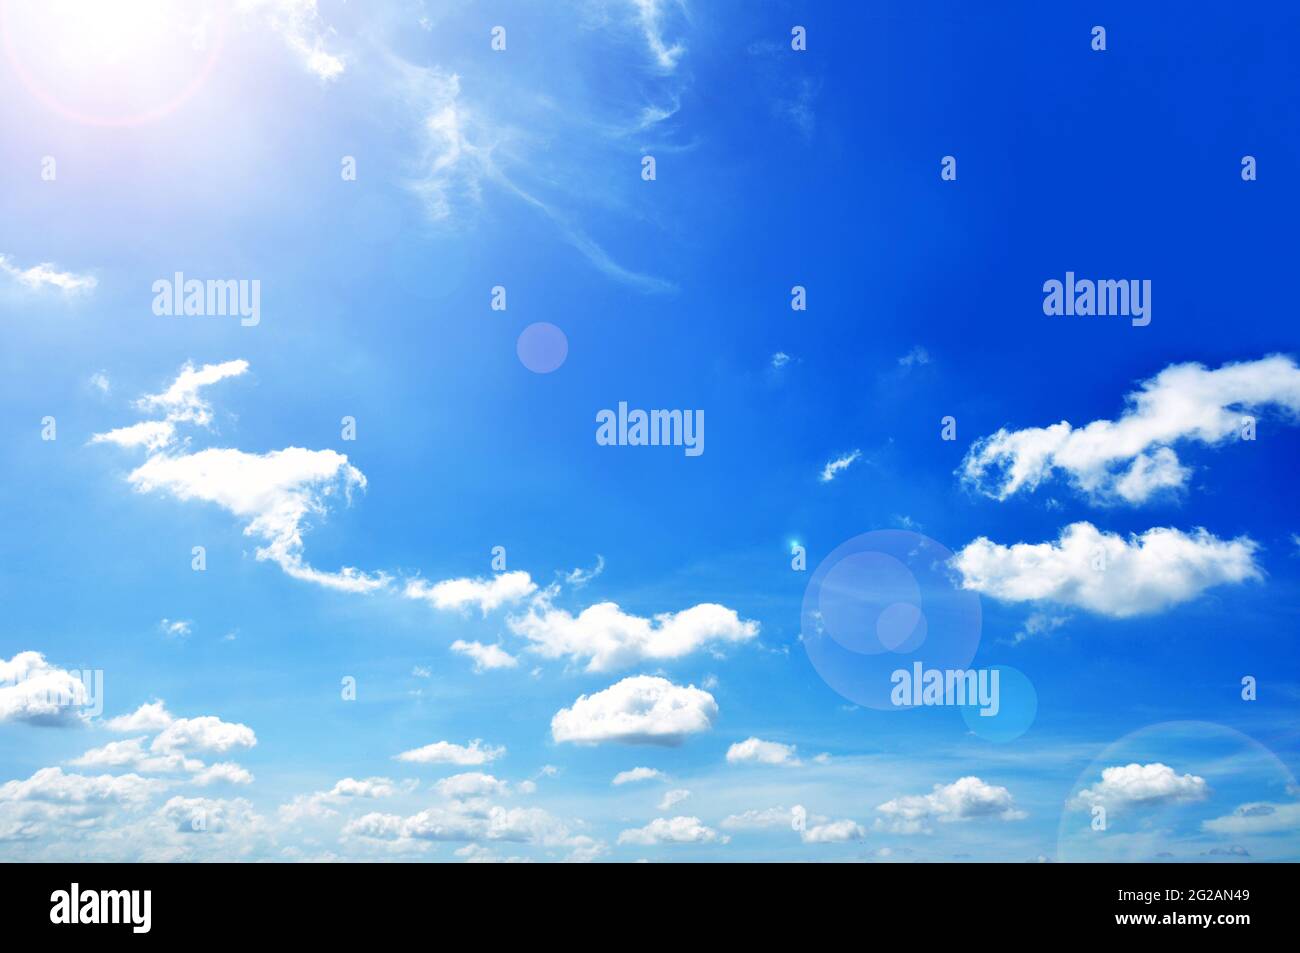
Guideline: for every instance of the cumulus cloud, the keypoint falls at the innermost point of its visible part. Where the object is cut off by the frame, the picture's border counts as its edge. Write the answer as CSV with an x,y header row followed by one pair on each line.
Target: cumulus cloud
x,y
521,825
38,693
1133,458
205,733
54,786
485,594
672,830
834,466
607,638
445,752
634,775
1106,573
471,784
174,735
224,772
150,717
757,751
641,709
965,799
46,275
1141,785
485,656
833,832
132,753
276,493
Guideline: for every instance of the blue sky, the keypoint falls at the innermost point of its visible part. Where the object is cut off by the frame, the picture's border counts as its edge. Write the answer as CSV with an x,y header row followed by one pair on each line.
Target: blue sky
x,y
648,614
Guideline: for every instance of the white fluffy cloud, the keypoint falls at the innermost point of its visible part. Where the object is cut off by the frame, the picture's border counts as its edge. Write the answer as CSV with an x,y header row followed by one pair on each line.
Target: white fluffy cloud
x,y
152,716
486,594
471,784
642,709
176,735
274,492
445,752
833,832
965,799
672,830
1132,458
54,786
46,275
608,638
634,775
1106,573
1141,785
453,823
757,751
36,692
485,656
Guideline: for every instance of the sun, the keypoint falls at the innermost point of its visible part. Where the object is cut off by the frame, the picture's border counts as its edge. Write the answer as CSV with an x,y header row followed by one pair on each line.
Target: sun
x,y
112,62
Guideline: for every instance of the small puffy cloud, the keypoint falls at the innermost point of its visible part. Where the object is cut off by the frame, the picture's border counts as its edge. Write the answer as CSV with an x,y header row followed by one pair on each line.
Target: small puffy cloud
x,y
672,798
149,717
38,693
835,466
205,733
133,754
46,275
1141,785
833,832
175,628
1106,573
965,799
364,787
487,594
634,775
470,785
757,751
641,709
779,360
485,656
1131,459
672,830
608,638
223,772
1259,817
99,380
445,752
